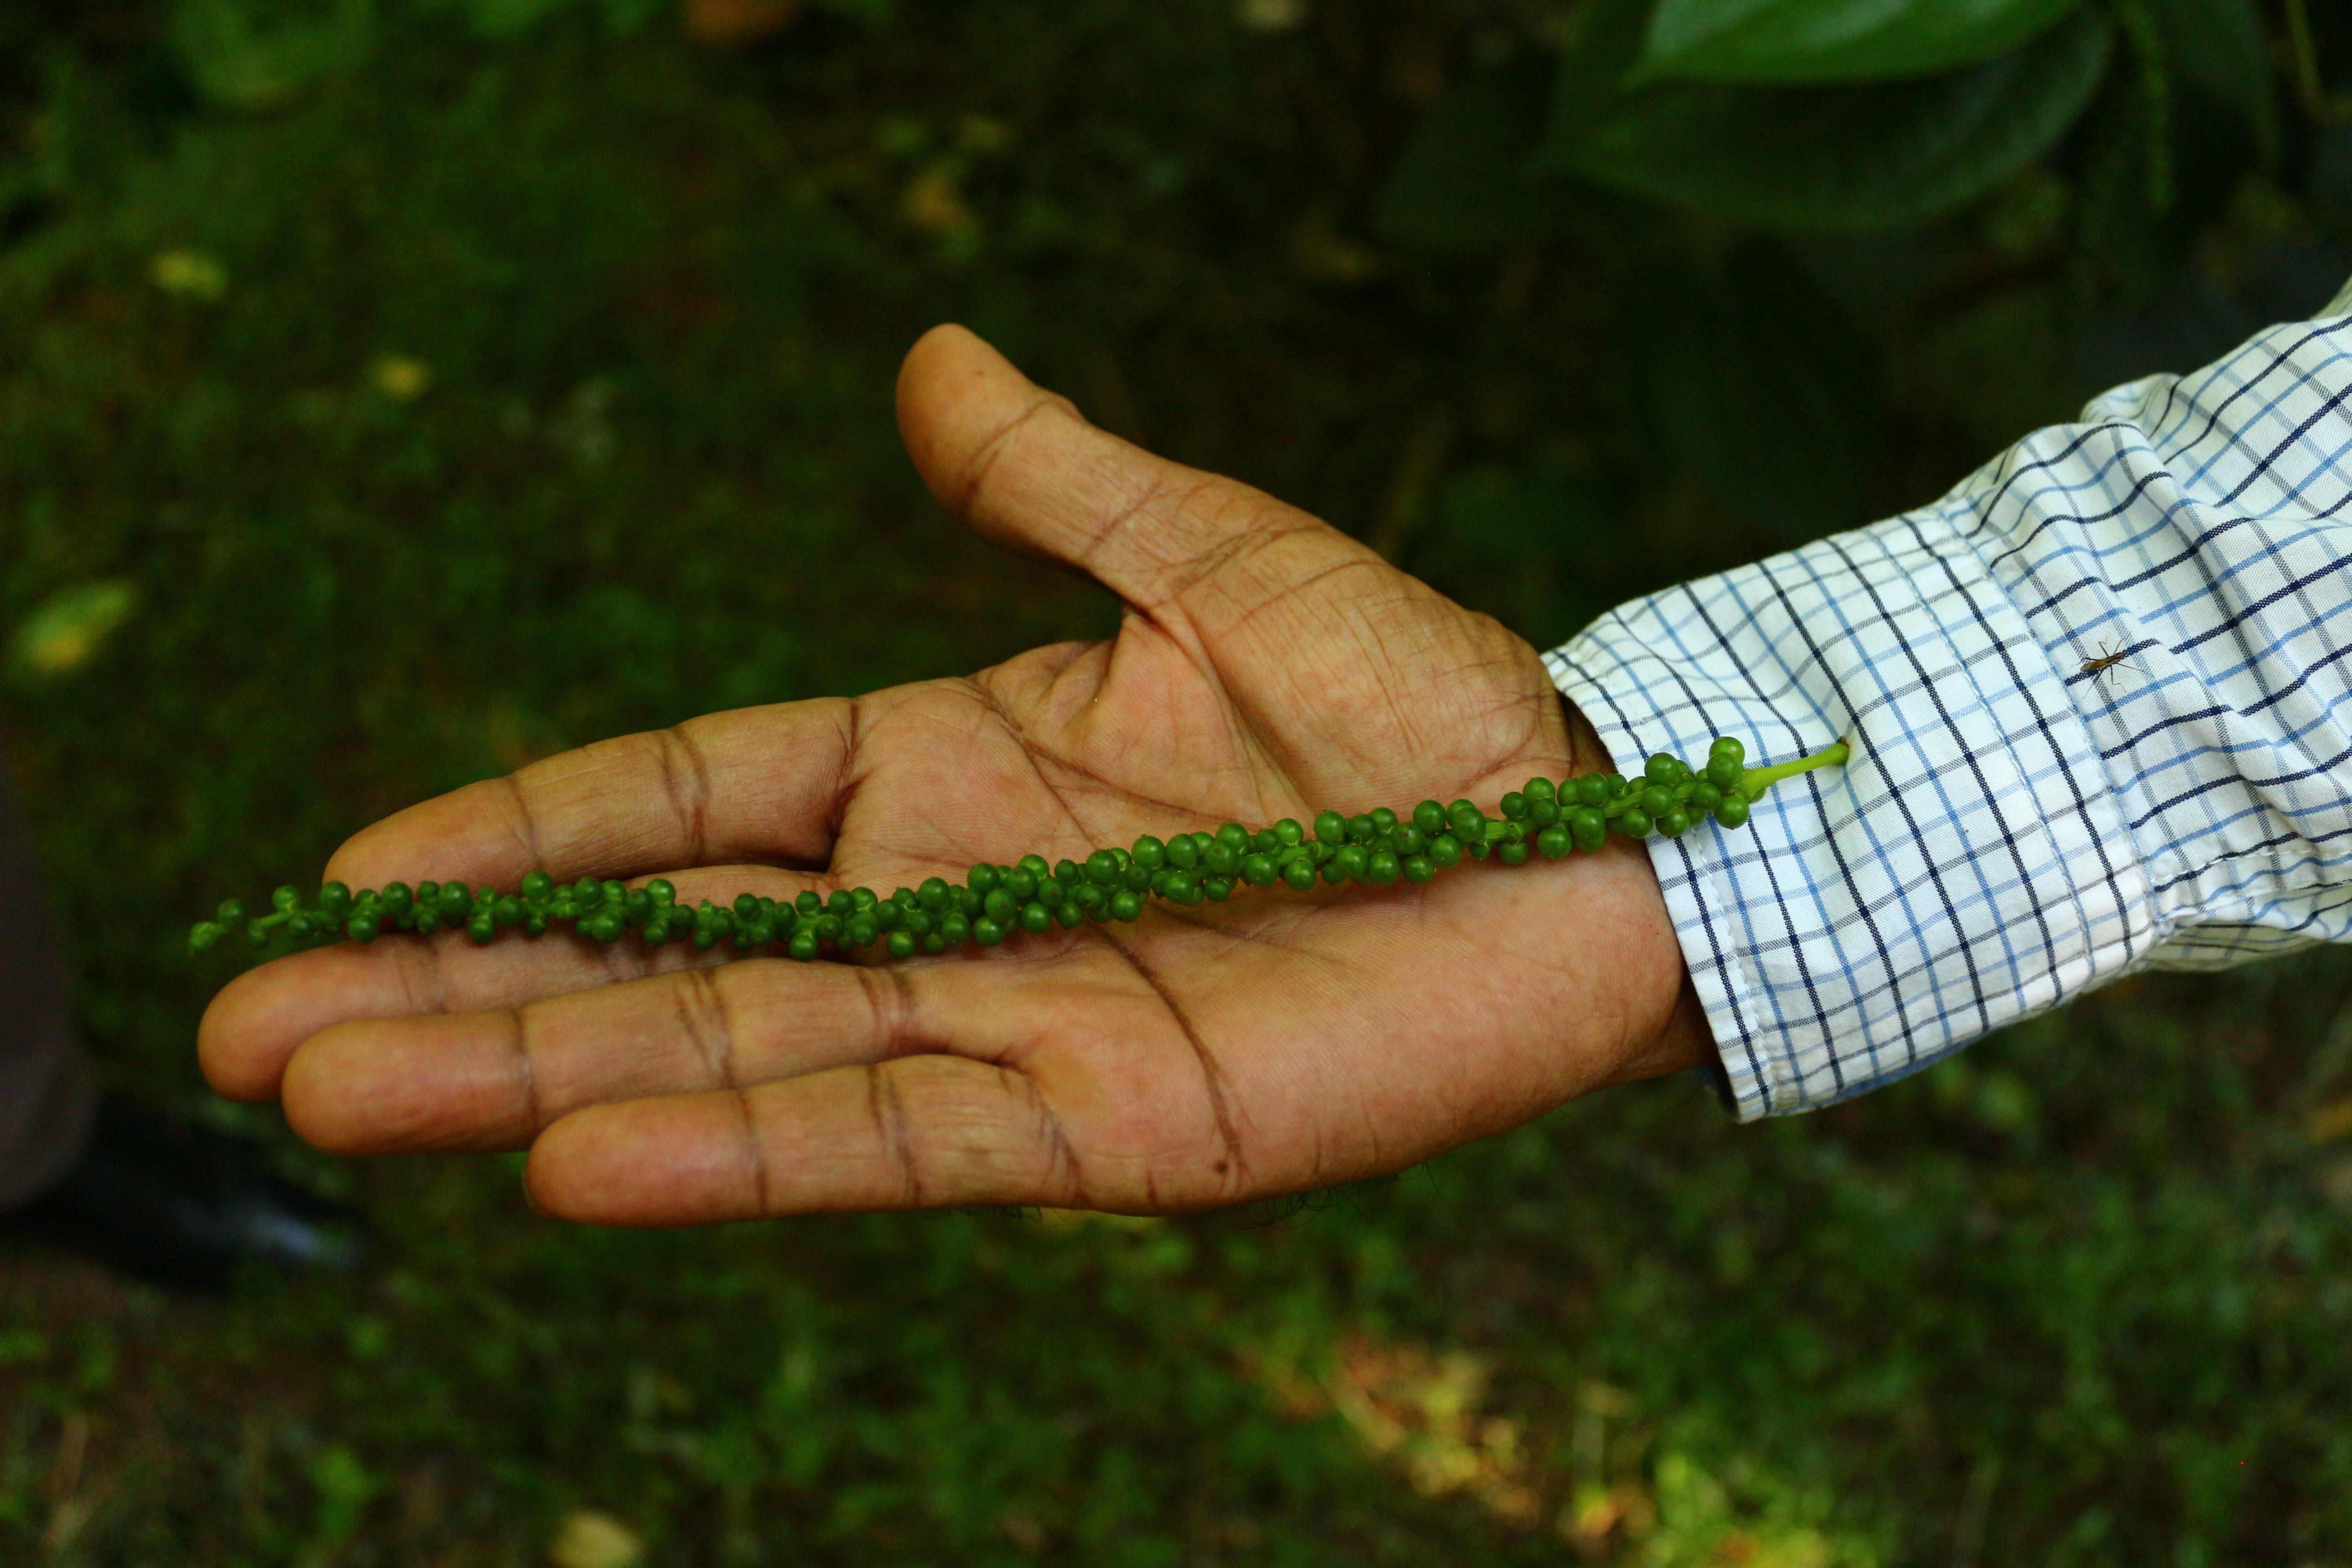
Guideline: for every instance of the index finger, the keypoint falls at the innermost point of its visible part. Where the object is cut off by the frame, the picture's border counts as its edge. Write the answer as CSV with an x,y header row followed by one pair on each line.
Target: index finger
x,y
751,784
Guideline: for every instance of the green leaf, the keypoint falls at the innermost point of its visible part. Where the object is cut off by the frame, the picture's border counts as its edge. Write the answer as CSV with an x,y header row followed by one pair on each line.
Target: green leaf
x,y
1791,41
1462,183
243,54
70,626
1761,387
2219,45
1835,158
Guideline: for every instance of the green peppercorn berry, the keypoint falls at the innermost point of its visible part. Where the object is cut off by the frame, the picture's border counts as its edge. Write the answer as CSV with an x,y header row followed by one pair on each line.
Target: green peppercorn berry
x,y
1102,867
1555,842
360,929
300,927
1416,869
1330,827
890,915
1217,889
1656,801
704,939
1512,854
1351,862
1593,789
844,905
1635,823
1289,832
1183,888
1126,905
481,930
864,930
1514,806
1036,918
982,878
932,895
655,931
1665,768
1673,822
1070,916
864,899
256,935
1134,879
999,906
1181,854
1382,868
901,945
285,898
538,886
606,927
588,890
1258,870
1587,827
428,921
230,911
1540,789
453,901
802,946
1444,851
955,930
1729,749
1021,883
1221,860
1299,874
203,934
747,905
662,891
1703,797
1362,828
1732,810
1469,822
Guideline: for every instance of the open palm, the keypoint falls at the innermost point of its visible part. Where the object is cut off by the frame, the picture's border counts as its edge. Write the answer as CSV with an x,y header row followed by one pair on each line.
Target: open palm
x,y
1268,666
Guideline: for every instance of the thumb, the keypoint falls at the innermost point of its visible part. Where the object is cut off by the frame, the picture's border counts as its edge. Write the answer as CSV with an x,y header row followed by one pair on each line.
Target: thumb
x,y
1026,470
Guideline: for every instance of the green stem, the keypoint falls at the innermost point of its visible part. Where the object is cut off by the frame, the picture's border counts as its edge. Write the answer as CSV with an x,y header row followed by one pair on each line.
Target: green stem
x,y
1756,781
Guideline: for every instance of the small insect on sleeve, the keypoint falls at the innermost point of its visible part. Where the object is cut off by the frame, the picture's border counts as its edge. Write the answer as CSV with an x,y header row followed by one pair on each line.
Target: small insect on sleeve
x,y
2097,697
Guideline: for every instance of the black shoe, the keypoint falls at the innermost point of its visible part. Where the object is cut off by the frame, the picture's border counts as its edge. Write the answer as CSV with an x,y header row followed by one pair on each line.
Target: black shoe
x,y
183,1205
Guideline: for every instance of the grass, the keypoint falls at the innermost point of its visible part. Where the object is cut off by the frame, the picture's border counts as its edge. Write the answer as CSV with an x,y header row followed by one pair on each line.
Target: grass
x,y
454,397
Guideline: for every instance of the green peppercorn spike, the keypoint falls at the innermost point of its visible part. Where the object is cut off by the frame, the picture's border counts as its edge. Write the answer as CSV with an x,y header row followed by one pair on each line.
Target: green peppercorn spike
x,y
997,902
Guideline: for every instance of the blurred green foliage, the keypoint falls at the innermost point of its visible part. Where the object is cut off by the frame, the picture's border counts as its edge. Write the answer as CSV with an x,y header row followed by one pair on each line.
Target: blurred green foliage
x,y
399,390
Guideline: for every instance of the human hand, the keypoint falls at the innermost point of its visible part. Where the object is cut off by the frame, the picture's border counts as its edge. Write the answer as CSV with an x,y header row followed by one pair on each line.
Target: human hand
x,y
1266,666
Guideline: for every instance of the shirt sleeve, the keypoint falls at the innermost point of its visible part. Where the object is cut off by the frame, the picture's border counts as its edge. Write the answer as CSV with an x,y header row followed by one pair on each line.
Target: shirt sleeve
x,y
2013,829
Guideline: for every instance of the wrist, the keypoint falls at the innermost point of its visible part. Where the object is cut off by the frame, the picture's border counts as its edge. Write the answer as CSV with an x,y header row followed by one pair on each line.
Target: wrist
x,y
1683,1041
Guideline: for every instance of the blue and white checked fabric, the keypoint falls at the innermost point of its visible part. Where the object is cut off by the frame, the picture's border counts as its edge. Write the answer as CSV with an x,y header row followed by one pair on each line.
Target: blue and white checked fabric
x,y
2011,830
